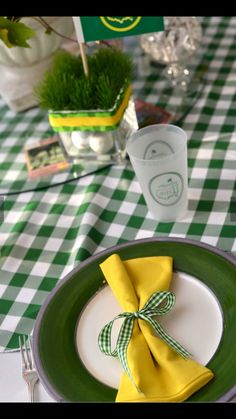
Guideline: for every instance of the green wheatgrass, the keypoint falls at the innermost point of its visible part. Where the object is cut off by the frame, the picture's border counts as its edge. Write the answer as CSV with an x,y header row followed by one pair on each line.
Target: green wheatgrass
x,y
65,86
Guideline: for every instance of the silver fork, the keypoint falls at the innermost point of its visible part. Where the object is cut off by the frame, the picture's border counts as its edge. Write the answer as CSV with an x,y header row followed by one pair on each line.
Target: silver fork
x,y
29,372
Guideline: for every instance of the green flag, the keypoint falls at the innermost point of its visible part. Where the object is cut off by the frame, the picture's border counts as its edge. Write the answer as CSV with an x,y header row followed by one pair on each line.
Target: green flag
x,y
95,28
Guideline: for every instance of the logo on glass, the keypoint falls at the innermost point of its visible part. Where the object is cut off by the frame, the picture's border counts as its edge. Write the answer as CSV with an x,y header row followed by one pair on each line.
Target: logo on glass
x,y
167,188
157,150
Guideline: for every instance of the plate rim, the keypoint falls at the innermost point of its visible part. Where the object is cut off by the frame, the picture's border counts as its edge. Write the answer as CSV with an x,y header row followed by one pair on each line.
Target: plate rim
x,y
229,257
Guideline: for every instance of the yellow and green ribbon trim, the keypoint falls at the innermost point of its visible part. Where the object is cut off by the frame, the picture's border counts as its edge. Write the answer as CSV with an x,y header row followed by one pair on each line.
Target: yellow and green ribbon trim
x,y
91,120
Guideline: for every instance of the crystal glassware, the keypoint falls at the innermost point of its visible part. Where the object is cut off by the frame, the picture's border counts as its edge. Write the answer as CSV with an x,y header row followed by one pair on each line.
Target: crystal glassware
x,y
175,47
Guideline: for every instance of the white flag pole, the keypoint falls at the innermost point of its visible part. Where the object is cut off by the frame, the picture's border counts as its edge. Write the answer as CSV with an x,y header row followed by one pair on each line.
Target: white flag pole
x,y
80,37
84,59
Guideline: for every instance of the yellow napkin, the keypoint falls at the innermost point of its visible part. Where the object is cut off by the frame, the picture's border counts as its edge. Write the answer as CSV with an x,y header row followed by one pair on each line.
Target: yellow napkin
x,y
161,373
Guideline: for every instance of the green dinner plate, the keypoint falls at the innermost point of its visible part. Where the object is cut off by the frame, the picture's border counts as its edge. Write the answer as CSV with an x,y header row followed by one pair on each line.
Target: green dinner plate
x,y
60,369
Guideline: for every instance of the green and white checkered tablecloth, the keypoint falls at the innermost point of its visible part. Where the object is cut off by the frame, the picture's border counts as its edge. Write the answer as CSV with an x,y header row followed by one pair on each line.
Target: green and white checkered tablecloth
x,y
47,232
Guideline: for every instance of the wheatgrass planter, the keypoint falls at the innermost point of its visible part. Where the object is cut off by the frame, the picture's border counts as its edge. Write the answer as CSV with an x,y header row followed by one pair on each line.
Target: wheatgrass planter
x,y
98,135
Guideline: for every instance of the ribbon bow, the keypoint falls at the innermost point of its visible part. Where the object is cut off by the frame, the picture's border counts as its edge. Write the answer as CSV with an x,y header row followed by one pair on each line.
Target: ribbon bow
x,y
149,310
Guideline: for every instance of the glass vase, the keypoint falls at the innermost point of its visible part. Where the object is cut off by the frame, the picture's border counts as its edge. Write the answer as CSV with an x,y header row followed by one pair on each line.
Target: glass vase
x,y
98,136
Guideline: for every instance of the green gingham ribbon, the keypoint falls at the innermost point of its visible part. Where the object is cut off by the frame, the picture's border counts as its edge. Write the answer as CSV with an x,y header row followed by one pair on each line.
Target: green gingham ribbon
x,y
150,309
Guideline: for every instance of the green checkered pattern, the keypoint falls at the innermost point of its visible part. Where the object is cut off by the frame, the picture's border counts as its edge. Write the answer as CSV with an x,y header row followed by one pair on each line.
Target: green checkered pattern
x,y
149,310
50,229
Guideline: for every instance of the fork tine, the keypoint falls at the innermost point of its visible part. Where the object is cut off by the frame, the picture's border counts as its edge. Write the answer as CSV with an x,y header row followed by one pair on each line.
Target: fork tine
x,y
31,352
29,372
27,352
21,345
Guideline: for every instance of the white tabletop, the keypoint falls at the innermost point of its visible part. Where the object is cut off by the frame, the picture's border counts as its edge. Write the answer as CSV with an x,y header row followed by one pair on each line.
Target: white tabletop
x,y
12,386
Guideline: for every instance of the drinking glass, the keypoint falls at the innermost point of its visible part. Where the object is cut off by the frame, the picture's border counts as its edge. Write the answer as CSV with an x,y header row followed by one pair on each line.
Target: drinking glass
x,y
158,154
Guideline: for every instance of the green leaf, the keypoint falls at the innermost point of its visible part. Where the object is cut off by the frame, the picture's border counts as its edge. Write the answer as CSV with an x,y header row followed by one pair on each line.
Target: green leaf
x,y
15,33
48,31
4,37
19,33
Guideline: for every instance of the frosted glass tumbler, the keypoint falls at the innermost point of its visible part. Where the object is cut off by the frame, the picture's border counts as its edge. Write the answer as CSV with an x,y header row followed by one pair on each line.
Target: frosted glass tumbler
x,y
158,154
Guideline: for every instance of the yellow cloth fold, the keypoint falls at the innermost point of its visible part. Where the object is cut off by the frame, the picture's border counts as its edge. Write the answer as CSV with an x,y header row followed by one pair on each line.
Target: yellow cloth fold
x,y
161,373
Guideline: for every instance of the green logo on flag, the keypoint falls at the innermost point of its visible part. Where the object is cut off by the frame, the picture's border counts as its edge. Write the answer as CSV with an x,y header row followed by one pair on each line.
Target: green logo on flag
x,y
95,28
120,23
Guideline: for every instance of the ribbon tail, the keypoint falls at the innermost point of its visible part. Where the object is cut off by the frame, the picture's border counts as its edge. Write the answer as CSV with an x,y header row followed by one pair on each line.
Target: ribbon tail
x,y
123,343
168,339
122,346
